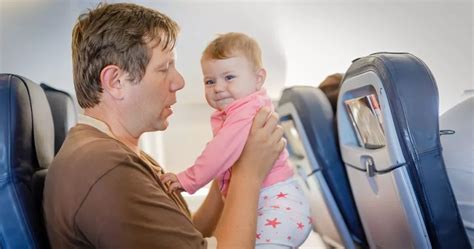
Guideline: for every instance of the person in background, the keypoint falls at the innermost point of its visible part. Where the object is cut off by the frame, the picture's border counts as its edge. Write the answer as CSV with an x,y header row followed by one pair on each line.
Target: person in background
x,y
101,190
331,86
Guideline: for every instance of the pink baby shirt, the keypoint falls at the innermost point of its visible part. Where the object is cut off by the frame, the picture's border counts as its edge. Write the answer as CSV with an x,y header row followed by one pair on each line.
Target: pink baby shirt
x,y
231,128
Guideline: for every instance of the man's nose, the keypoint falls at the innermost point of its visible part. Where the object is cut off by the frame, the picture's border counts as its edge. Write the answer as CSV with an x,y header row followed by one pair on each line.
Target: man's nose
x,y
177,83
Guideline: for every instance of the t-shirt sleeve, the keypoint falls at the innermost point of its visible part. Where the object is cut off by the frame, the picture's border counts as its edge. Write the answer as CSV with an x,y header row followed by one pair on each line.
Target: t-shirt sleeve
x,y
127,208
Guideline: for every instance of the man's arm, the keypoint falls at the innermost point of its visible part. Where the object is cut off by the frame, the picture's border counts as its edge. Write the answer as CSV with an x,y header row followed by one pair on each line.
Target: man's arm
x,y
238,222
207,216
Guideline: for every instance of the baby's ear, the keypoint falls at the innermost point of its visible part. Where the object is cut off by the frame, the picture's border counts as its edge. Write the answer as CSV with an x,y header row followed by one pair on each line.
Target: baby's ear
x,y
261,76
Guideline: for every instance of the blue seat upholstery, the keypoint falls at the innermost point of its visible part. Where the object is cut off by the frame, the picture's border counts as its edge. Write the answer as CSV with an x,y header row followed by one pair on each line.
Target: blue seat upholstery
x,y
26,150
401,188
317,118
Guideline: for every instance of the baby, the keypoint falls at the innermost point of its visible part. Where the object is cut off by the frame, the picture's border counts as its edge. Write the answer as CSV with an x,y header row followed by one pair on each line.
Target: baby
x,y
233,79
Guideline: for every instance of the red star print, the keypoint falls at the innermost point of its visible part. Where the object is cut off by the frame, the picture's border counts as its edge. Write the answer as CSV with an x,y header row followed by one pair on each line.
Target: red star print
x,y
281,195
273,222
300,225
258,236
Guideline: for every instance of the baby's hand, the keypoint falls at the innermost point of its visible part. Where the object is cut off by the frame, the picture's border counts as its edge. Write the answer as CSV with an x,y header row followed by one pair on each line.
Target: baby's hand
x,y
171,180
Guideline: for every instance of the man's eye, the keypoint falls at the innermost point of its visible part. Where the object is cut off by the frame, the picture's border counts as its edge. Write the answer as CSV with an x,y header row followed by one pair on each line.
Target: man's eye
x,y
229,77
208,82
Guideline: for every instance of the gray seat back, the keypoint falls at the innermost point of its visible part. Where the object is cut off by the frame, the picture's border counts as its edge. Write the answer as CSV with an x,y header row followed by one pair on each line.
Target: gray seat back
x,y
389,139
306,110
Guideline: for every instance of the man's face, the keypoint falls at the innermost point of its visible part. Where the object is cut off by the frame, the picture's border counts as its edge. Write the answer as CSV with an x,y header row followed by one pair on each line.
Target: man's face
x,y
227,80
150,100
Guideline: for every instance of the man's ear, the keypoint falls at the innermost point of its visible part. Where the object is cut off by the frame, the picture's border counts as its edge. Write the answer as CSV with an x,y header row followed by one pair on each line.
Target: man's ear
x,y
111,78
261,76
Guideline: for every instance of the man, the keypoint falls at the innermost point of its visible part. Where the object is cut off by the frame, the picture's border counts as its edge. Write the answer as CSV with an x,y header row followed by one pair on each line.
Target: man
x,y
102,191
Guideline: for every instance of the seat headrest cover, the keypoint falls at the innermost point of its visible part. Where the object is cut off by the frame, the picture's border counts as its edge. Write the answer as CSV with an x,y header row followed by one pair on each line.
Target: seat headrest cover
x,y
43,128
63,111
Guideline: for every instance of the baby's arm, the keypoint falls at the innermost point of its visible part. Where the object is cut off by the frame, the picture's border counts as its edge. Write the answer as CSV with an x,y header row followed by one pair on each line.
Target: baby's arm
x,y
221,152
171,180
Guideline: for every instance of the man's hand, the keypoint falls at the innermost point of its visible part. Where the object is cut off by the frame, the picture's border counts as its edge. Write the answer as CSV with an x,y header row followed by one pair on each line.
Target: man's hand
x,y
264,144
171,180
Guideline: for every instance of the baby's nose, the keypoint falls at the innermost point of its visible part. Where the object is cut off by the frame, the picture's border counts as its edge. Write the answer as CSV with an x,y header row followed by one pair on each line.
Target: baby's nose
x,y
220,86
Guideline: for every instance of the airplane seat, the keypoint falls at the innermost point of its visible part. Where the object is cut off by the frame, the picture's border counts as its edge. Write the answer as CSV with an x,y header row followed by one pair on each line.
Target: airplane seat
x,y
26,150
458,151
387,116
339,225
64,113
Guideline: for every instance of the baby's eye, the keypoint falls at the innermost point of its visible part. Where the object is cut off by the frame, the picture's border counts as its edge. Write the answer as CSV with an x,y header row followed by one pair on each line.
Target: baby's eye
x,y
229,77
208,82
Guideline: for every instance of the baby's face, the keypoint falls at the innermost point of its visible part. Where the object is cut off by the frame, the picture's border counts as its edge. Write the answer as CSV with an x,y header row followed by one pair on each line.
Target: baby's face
x,y
227,80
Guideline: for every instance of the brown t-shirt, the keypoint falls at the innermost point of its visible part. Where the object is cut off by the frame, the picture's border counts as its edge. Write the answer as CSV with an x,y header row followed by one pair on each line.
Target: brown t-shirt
x,y
100,194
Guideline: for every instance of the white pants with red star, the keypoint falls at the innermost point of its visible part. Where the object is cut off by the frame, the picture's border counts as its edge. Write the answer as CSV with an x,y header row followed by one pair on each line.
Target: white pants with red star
x,y
283,219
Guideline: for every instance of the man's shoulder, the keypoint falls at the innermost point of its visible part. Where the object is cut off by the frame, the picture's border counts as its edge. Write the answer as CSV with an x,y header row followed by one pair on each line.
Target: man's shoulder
x,y
86,157
87,149
89,163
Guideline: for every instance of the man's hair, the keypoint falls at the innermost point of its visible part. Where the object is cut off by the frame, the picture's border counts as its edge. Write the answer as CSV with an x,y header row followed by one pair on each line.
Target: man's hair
x,y
116,34
231,44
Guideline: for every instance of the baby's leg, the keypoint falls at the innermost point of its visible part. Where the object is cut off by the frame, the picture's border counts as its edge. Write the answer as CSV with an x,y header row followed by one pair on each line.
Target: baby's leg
x,y
283,219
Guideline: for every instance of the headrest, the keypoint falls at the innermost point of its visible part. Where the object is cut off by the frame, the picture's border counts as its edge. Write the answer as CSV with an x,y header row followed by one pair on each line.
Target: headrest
x,y
63,111
411,91
25,121
316,116
458,115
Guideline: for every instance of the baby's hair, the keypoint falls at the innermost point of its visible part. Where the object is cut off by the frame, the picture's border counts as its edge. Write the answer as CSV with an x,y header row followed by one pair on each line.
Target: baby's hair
x,y
233,43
